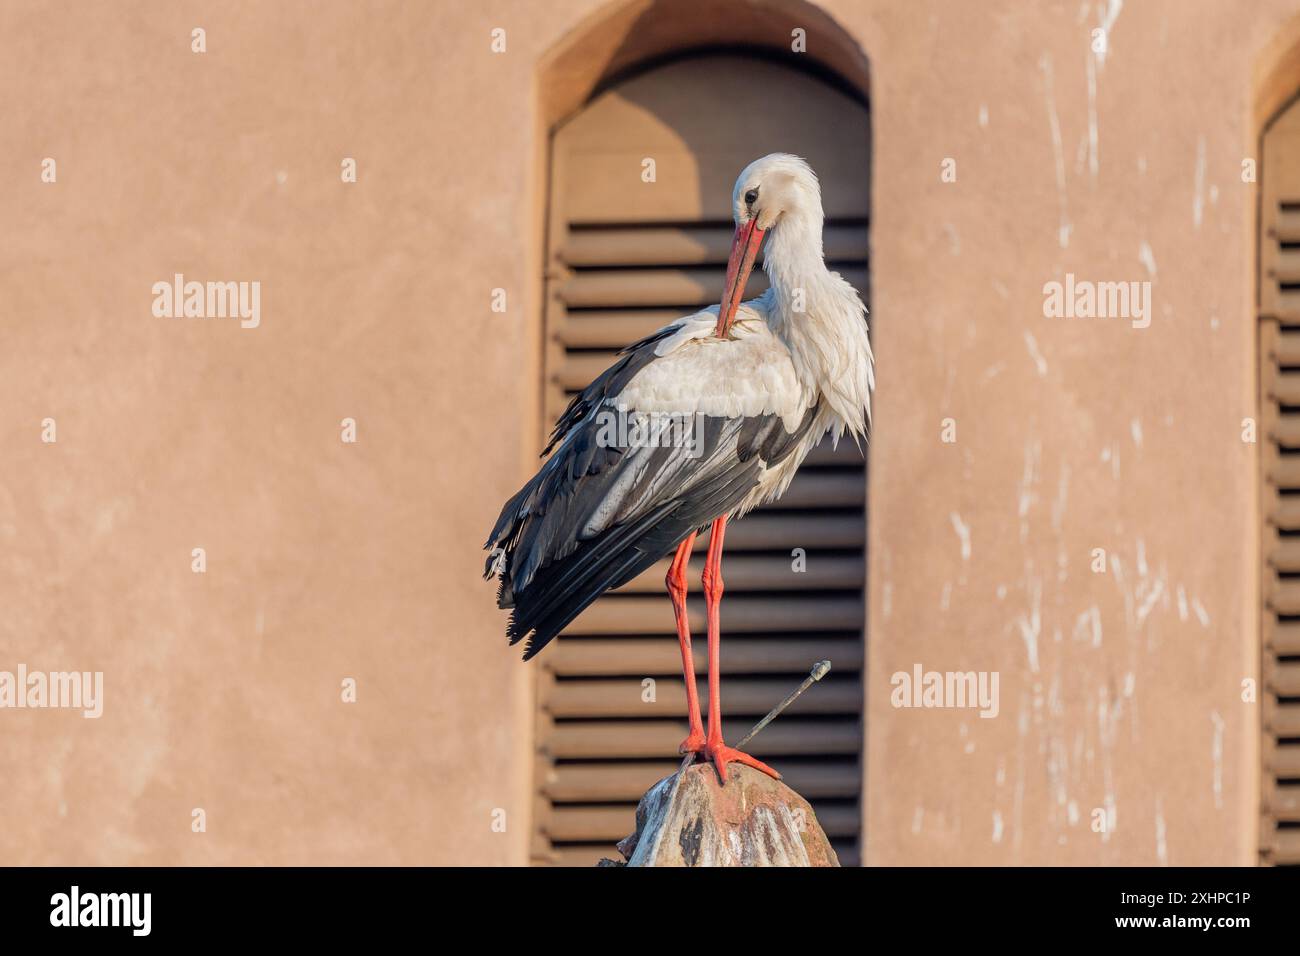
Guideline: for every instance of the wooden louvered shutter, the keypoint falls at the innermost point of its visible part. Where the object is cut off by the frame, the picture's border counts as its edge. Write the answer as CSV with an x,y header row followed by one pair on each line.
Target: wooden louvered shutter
x,y
1279,293
624,257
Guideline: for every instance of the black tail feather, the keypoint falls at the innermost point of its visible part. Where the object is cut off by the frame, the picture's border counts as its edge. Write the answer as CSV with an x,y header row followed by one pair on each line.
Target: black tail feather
x,y
563,590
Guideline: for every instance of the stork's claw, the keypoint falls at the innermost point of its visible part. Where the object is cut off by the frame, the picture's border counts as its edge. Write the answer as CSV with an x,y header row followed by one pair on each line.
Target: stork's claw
x,y
719,754
694,743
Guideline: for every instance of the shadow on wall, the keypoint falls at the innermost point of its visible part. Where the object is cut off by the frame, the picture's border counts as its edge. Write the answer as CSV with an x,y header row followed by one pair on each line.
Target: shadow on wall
x,y
717,112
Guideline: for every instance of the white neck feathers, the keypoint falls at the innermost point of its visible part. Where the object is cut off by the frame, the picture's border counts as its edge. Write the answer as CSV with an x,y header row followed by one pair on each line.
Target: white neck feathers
x,y
821,319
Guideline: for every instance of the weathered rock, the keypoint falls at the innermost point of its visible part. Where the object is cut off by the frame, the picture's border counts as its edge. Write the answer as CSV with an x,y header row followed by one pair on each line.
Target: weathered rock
x,y
689,819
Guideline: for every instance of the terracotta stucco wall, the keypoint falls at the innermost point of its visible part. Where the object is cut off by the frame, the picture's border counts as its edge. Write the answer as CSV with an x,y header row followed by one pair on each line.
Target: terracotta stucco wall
x,y
325,560
1119,690
328,560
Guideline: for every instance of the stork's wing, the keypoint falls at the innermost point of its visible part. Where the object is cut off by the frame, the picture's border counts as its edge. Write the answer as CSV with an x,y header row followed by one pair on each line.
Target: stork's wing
x,y
676,433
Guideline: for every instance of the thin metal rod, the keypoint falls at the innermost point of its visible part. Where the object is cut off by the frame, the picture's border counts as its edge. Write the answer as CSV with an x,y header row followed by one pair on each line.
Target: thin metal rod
x,y
820,670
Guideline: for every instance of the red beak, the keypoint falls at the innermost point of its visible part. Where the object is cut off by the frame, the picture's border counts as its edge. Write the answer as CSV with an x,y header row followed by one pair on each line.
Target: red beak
x,y
744,251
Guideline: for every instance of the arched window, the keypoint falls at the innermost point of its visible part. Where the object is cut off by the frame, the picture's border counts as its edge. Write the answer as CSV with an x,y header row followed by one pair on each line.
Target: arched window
x,y
638,230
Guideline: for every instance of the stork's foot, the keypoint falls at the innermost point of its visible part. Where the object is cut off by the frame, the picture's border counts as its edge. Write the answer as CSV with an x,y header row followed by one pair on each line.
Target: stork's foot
x,y
719,754
694,743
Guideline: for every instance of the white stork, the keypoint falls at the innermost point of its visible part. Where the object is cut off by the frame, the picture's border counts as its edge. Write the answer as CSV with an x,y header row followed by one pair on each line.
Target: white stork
x,y
766,379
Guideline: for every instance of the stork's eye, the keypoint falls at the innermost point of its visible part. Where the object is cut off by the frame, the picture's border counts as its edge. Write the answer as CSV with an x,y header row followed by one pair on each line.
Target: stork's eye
x,y
751,197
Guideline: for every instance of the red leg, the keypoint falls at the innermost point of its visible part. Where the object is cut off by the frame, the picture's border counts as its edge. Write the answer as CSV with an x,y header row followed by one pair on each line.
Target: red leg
x,y
676,582
714,748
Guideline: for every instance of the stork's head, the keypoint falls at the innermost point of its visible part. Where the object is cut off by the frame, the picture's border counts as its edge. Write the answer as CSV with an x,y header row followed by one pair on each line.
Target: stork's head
x,y
770,189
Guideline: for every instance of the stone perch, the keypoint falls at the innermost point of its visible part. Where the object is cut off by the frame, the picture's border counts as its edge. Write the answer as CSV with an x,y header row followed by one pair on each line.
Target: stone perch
x,y
689,819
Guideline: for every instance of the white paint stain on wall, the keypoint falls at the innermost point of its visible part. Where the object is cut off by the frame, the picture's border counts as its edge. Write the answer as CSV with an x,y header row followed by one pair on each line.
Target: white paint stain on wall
x,y
1198,190
1199,610
1147,258
1106,17
1092,116
1058,151
1040,363
954,240
1162,844
1062,495
1028,496
1110,455
1087,626
1154,593
1031,623
963,534
1216,758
